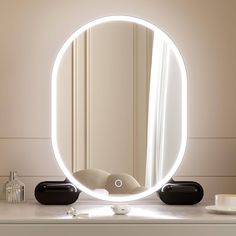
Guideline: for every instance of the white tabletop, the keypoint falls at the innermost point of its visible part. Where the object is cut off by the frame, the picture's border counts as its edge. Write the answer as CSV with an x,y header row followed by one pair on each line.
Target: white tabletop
x,y
33,212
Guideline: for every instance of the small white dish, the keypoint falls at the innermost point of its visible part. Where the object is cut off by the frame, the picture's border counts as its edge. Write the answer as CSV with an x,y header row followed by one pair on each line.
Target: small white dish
x,y
120,209
221,209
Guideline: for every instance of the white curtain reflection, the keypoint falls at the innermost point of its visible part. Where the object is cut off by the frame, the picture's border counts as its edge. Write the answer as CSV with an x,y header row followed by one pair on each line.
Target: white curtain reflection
x,y
156,111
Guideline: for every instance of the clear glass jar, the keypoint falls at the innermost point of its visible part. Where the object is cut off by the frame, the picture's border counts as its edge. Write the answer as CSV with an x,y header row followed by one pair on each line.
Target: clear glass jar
x,y
15,189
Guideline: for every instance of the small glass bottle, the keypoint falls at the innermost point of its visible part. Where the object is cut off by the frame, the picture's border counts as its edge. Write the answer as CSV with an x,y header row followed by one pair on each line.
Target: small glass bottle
x,y
15,189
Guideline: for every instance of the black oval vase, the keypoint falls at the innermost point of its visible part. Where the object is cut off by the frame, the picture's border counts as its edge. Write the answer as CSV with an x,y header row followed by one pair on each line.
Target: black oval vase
x,y
181,193
56,193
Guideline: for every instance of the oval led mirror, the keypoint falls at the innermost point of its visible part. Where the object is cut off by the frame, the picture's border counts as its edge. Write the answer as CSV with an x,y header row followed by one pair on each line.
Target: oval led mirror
x,y
119,108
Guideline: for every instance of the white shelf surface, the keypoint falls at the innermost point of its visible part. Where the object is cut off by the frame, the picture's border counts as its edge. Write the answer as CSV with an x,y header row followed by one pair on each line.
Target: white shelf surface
x,y
35,213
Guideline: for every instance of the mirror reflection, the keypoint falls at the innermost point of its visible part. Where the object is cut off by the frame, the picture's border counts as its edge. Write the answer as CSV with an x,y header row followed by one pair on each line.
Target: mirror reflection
x,y
119,108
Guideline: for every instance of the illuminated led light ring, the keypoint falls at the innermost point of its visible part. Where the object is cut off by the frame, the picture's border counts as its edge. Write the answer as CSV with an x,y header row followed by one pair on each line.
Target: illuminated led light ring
x,y
54,110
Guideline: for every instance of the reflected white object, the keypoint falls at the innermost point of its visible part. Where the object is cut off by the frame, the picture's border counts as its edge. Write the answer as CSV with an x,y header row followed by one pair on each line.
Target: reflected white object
x,y
183,106
121,209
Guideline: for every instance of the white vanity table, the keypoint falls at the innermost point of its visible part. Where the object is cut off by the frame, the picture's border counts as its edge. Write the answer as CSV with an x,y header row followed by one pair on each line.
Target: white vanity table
x,y
31,218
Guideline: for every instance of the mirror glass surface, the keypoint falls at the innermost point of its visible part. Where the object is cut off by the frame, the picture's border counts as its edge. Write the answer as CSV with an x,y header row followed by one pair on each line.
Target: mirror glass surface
x,y
120,112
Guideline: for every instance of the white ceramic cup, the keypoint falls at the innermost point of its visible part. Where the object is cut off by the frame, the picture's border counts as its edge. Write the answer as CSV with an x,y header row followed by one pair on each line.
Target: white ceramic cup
x,y
225,200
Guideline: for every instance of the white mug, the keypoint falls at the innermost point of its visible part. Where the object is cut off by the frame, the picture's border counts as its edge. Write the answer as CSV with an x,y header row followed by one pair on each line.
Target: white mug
x,y
225,200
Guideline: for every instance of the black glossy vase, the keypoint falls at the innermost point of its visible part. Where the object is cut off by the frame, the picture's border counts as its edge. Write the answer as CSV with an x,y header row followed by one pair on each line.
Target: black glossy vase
x,y
181,193
56,193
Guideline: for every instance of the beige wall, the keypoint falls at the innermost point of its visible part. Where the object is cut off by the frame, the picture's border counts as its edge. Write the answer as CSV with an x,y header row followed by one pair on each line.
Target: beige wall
x,y
32,33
